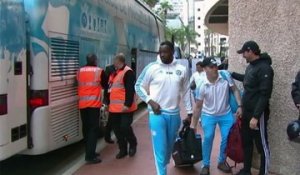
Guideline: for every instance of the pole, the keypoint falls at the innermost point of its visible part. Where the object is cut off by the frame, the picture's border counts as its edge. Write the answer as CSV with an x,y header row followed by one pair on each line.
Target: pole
x,y
188,17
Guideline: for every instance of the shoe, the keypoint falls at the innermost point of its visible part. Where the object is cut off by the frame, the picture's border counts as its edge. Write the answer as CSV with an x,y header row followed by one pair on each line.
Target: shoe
x,y
121,155
109,140
97,154
204,170
224,167
93,161
132,151
243,172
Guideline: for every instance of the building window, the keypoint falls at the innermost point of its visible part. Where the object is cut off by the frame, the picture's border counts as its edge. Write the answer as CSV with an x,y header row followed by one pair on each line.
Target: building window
x,y
198,9
199,18
199,27
199,35
199,44
222,40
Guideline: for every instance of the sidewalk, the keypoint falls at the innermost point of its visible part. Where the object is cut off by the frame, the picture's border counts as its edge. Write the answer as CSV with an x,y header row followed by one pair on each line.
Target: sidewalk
x,y
143,161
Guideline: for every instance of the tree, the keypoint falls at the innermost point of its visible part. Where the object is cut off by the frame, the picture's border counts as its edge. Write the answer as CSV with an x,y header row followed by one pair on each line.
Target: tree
x,y
165,6
183,36
151,3
189,36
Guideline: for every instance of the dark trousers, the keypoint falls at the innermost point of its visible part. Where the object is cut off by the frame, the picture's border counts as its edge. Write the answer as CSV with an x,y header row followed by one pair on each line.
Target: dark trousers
x,y
249,136
90,130
108,128
121,123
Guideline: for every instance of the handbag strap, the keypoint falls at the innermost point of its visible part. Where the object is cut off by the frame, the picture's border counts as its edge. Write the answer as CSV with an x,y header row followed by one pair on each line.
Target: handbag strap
x,y
183,131
222,73
239,121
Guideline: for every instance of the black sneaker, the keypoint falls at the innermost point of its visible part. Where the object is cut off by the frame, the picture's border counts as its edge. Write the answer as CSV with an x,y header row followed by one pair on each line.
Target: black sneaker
x,y
93,161
132,151
121,155
224,167
204,170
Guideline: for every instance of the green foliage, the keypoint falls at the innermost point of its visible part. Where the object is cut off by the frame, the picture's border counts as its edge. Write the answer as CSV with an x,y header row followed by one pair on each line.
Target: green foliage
x,y
151,3
162,11
184,36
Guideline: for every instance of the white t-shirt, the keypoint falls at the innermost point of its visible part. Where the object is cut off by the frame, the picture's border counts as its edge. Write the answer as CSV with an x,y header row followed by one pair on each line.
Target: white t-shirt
x,y
198,77
215,96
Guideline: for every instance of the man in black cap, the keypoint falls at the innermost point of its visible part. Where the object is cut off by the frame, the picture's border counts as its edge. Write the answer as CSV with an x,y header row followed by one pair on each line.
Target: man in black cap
x,y
258,85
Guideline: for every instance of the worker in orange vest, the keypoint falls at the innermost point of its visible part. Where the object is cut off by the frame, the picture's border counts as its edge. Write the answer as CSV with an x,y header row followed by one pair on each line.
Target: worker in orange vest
x,y
91,79
122,106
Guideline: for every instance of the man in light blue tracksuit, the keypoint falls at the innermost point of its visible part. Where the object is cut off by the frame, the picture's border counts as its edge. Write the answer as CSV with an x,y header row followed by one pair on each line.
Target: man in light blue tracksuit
x,y
162,84
212,99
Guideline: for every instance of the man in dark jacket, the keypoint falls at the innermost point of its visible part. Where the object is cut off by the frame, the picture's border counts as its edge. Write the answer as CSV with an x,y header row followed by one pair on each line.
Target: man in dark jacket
x,y
258,85
296,91
110,69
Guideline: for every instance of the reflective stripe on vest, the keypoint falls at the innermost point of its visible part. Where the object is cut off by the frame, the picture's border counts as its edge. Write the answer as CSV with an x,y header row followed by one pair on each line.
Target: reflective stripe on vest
x,y
90,98
117,85
89,87
117,94
89,84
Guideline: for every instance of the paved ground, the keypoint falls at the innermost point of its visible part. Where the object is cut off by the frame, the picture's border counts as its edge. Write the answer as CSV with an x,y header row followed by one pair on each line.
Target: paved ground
x,y
143,162
70,160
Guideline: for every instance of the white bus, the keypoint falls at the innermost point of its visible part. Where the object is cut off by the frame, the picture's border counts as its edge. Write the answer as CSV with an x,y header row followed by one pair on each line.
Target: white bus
x,y
42,45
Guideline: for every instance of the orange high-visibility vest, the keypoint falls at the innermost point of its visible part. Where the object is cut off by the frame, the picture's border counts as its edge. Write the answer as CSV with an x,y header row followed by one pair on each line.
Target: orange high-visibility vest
x,y
89,87
117,93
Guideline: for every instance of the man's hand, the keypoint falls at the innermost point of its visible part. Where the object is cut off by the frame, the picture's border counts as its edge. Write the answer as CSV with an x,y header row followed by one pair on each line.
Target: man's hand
x,y
253,123
155,107
187,121
125,108
239,113
193,129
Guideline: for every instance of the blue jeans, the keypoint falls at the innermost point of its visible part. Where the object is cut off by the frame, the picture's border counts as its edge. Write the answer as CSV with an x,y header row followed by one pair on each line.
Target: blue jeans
x,y
209,123
164,129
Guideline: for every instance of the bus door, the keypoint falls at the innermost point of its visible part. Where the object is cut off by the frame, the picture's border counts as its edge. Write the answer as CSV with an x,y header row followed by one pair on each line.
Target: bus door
x,y
142,59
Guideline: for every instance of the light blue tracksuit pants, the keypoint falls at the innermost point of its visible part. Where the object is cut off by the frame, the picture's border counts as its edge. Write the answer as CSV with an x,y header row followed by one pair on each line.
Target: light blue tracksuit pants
x,y
209,125
164,129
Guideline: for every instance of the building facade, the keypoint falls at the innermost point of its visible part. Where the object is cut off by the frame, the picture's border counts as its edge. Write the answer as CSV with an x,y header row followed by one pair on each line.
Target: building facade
x,y
275,26
208,43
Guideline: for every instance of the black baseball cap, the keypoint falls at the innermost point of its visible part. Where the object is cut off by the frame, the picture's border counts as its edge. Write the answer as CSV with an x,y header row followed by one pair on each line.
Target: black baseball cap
x,y
209,61
249,45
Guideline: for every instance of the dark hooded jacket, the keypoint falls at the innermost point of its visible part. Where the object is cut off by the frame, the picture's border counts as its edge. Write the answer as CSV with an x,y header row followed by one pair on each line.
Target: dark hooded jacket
x,y
258,85
296,89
